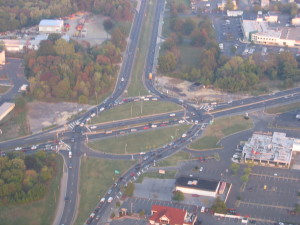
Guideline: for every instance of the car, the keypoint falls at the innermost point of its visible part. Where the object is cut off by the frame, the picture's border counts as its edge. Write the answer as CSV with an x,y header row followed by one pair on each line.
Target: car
x,y
97,218
67,198
102,200
132,174
163,125
252,221
93,127
33,147
18,148
145,128
73,140
122,79
201,169
70,166
109,191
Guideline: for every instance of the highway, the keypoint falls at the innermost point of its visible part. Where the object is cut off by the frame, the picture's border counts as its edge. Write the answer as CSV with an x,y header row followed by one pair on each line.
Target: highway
x,y
79,133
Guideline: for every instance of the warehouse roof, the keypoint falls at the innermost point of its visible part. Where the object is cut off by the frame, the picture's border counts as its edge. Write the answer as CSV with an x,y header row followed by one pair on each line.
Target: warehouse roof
x,y
197,183
51,23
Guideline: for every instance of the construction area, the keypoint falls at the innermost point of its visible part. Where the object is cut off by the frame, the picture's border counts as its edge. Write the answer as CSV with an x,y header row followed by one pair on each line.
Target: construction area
x,y
270,149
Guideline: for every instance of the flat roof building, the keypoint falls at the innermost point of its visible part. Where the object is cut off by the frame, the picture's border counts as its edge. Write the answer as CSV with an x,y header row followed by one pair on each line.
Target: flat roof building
x,y
270,149
51,26
162,215
5,109
192,185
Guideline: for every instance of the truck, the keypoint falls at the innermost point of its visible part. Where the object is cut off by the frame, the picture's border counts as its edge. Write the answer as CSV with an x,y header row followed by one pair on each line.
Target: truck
x,y
92,215
23,88
70,155
150,76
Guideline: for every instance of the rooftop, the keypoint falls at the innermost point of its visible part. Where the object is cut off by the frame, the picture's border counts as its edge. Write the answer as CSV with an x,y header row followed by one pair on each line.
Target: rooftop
x,y
255,26
272,147
197,183
173,215
290,33
51,23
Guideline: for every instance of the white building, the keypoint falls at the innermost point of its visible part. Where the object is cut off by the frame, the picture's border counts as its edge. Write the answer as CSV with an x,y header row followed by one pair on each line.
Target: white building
x,y
51,26
234,13
296,21
270,149
253,26
196,186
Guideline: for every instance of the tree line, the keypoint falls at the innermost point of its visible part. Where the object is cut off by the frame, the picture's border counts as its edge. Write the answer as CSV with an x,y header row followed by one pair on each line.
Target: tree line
x,y
15,14
69,71
24,179
229,74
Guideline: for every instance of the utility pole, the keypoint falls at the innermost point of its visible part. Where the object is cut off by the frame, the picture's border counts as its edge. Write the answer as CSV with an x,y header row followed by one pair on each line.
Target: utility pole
x,y
125,148
141,108
131,111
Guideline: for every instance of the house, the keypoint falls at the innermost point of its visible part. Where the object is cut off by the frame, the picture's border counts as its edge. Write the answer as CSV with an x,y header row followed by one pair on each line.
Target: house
x,y
2,57
162,215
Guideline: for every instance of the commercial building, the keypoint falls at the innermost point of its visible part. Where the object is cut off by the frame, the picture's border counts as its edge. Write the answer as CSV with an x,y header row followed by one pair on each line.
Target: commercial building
x,y
270,149
234,13
162,215
296,21
252,26
264,4
197,186
2,57
222,5
51,26
5,109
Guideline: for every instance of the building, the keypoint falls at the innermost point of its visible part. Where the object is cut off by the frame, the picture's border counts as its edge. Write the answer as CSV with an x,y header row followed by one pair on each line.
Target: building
x,y
296,21
271,17
270,149
5,109
234,13
285,36
162,215
2,57
252,26
264,4
51,26
222,5
192,185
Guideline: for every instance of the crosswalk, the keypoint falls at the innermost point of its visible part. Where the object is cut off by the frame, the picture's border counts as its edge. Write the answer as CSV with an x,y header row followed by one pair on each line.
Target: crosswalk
x,y
73,124
207,108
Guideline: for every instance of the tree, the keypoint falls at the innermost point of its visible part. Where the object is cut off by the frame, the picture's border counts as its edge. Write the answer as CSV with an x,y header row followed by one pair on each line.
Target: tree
x,y
108,24
188,26
247,171
142,213
178,196
245,178
229,5
167,62
219,206
297,208
234,167
129,189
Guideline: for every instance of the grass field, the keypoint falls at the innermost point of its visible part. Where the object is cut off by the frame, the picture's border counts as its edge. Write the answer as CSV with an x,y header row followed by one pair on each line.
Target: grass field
x,y
96,176
4,89
135,109
174,159
167,175
139,142
136,86
283,108
220,128
36,213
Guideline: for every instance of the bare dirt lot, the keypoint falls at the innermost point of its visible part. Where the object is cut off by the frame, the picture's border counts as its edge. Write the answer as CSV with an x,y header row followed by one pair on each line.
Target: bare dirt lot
x,y
180,89
42,115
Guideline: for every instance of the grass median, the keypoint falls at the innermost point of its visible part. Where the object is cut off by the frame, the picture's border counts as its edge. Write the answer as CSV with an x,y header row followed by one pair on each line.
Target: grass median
x,y
221,127
174,159
36,213
167,175
283,108
136,86
135,109
139,142
96,176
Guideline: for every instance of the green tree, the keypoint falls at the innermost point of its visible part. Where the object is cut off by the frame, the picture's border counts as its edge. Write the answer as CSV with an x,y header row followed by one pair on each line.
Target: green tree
x,y
129,189
245,178
142,213
62,47
178,196
167,62
234,167
188,26
219,206
247,171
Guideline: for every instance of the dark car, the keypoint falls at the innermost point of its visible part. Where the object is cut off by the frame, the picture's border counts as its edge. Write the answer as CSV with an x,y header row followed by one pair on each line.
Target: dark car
x,y
89,221
67,198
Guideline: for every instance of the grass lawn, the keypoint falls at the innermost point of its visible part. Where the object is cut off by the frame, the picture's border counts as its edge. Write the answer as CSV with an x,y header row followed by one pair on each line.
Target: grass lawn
x,y
283,108
4,89
96,176
174,159
167,175
36,213
139,142
220,128
136,86
135,109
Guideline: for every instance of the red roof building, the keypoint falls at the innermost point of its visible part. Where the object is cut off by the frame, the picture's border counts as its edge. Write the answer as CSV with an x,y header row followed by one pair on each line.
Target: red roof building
x,y
162,215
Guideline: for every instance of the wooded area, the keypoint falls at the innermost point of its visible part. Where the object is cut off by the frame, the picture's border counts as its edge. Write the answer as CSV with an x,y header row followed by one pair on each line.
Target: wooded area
x,y
69,71
15,14
25,178
229,74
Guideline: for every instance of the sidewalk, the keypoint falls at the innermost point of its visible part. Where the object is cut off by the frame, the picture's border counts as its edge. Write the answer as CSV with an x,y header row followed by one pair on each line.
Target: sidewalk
x,y
61,200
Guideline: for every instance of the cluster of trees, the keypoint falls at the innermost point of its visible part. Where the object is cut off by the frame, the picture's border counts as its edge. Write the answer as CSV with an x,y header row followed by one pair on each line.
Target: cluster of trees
x,y
69,71
25,179
228,74
18,13
219,206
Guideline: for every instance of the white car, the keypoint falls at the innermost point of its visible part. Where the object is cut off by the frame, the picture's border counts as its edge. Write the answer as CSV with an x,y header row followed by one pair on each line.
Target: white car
x,y
122,79
93,127
18,148
102,109
201,169
102,200
33,147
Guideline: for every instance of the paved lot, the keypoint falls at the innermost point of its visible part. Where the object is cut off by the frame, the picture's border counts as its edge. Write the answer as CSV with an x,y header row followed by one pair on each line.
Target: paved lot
x,y
287,120
129,221
155,189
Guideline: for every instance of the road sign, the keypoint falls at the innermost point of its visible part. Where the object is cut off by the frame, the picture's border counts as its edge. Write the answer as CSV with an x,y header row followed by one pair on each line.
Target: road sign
x,y
117,172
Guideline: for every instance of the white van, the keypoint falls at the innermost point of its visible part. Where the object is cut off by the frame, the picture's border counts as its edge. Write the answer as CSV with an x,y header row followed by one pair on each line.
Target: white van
x,y
110,199
202,209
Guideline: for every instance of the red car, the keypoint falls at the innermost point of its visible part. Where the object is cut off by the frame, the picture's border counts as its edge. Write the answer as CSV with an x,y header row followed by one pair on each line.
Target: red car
x,y
145,128
163,125
132,174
